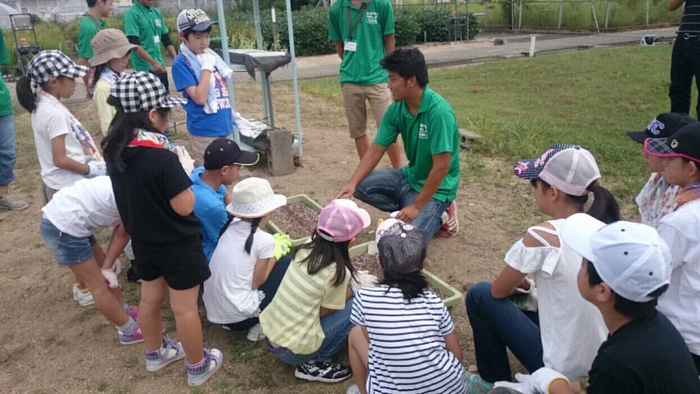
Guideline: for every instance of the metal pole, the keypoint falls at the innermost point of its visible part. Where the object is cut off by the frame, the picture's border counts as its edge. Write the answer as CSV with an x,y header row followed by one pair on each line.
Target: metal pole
x,y
227,59
595,18
647,18
561,11
297,112
259,45
520,16
607,14
486,15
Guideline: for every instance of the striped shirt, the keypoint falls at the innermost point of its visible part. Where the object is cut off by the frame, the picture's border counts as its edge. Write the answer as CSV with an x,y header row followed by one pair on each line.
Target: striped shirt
x,y
407,351
293,318
691,17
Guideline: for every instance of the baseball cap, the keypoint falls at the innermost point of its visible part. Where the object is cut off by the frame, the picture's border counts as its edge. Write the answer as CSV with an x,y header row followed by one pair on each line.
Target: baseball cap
x,y
225,152
109,44
341,220
568,168
141,91
194,19
50,64
663,126
630,257
683,143
401,247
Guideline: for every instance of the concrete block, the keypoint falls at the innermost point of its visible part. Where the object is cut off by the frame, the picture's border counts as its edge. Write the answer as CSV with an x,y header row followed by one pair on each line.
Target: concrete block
x,y
466,137
280,158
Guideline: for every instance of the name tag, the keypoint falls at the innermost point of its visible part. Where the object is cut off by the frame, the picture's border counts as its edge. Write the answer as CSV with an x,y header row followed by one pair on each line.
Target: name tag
x,y
350,46
156,39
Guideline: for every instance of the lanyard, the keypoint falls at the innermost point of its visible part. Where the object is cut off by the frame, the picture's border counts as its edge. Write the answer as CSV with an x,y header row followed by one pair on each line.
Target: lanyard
x,y
94,20
353,26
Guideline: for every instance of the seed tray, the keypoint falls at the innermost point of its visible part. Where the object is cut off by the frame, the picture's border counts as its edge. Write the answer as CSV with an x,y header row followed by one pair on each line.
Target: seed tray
x,y
298,238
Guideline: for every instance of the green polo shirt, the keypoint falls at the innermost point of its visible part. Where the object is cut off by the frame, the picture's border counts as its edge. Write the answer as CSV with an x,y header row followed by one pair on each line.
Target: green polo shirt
x,y
5,98
361,67
432,131
88,29
148,25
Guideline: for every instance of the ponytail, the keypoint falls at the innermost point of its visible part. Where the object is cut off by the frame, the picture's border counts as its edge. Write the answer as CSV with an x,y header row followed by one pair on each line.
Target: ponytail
x,y
25,95
604,206
228,222
253,227
411,284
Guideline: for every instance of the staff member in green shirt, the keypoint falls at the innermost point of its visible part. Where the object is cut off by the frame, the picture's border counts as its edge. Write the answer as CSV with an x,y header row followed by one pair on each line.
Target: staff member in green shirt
x,y
91,24
8,155
144,26
426,188
363,32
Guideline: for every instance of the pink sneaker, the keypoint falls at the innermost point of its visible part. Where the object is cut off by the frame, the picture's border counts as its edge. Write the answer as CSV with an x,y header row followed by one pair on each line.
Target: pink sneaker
x,y
450,224
130,339
133,312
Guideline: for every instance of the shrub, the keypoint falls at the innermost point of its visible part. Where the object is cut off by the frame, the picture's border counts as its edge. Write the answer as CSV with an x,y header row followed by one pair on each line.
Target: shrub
x,y
406,27
435,26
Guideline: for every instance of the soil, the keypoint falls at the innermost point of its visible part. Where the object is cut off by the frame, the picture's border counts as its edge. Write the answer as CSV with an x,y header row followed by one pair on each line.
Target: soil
x,y
298,220
51,345
369,263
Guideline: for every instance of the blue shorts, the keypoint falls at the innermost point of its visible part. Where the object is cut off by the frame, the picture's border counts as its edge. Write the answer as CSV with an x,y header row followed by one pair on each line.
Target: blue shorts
x,y
8,156
67,249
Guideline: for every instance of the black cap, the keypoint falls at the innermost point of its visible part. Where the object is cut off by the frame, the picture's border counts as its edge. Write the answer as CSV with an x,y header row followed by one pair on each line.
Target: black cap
x,y
663,126
683,143
225,152
402,250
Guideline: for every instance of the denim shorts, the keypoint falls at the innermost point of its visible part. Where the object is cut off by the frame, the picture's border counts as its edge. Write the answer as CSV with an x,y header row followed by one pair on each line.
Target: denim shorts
x,y
8,156
67,249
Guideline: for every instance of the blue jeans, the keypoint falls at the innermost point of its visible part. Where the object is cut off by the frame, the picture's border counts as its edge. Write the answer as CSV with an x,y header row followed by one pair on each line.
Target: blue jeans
x,y
336,328
8,155
389,191
497,325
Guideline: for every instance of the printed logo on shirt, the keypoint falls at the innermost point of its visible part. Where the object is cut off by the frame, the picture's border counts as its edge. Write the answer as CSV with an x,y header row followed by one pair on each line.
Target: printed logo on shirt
x,y
423,131
372,18
655,127
221,91
158,22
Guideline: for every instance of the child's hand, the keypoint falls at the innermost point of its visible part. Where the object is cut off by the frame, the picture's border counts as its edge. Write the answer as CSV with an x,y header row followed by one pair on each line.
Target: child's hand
x,y
110,277
282,245
207,61
96,168
185,160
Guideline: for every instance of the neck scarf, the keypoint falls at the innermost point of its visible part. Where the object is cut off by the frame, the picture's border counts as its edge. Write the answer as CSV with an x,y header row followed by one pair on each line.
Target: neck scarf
x,y
688,194
150,139
80,133
212,104
656,199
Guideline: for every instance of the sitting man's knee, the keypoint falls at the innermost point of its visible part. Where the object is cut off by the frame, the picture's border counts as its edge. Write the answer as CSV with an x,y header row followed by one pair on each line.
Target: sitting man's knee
x,y
477,292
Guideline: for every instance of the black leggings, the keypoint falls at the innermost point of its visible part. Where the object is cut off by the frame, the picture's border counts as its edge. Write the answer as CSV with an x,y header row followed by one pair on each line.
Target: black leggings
x,y
696,359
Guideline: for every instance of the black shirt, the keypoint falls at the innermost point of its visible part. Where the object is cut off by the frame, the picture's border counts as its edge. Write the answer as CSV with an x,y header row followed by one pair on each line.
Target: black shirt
x,y
644,357
143,193
690,23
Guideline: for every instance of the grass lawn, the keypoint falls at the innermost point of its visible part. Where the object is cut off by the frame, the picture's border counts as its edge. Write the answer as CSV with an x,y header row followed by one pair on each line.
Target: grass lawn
x,y
523,106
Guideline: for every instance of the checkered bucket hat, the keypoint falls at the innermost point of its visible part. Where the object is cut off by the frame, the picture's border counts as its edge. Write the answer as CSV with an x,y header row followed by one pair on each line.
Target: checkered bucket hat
x,y
140,92
47,65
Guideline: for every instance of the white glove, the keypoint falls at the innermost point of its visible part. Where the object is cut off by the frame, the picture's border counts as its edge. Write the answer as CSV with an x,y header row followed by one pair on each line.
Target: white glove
x,y
117,267
541,379
207,61
522,384
185,160
110,277
96,168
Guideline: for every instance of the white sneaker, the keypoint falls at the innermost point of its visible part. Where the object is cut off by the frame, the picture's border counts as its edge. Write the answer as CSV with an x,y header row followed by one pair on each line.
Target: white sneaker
x,y
255,333
353,389
75,292
83,298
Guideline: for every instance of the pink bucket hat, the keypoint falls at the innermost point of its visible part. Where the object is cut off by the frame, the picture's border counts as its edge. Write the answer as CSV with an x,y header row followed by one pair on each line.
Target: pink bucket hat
x,y
341,220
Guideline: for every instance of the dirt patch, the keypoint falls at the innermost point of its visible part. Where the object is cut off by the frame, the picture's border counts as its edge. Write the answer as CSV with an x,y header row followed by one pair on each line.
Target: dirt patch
x,y
297,220
49,344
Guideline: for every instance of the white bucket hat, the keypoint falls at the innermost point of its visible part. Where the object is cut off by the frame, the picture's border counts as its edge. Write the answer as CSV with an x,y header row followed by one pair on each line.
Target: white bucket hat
x,y
253,198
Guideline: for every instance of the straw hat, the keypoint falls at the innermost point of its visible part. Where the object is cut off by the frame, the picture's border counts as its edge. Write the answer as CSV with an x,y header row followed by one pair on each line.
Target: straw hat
x,y
109,44
253,198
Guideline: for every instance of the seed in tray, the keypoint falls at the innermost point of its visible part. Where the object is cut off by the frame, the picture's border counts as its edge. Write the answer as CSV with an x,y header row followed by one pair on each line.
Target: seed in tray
x,y
370,263
296,219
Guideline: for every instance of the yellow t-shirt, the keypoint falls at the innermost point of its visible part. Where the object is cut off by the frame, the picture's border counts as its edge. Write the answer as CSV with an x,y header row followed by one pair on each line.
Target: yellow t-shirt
x,y
105,112
292,319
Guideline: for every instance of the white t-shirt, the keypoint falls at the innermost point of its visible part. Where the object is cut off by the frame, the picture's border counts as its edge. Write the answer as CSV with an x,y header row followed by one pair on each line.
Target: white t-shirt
x,y
83,208
407,352
228,294
571,328
681,302
49,121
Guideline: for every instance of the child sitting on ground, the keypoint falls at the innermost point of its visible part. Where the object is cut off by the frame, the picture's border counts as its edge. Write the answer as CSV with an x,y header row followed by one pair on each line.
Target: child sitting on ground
x,y
410,346
308,321
656,197
566,330
245,274
681,231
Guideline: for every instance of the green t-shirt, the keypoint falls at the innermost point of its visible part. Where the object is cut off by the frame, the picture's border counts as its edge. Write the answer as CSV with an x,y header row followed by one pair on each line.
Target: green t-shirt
x,y
361,67
5,98
432,131
148,25
88,29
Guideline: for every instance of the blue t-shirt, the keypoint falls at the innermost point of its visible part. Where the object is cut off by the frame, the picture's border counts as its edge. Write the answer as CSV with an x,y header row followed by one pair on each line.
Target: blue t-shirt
x,y
200,123
210,209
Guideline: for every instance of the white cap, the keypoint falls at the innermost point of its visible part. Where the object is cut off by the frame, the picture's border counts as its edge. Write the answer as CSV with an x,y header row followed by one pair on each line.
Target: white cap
x,y
630,257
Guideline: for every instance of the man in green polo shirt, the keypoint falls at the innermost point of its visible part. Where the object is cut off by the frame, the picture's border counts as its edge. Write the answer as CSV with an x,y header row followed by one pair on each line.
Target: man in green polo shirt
x,y
8,155
91,24
423,191
363,32
144,26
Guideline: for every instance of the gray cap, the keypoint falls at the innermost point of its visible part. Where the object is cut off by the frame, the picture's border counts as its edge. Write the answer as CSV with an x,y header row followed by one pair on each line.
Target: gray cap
x,y
402,248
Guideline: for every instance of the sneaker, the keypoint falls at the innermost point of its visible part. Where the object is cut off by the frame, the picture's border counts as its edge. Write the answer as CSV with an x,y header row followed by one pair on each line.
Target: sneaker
x,y
326,372
9,203
212,362
255,333
476,385
75,292
169,352
354,389
450,224
130,339
133,312
84,298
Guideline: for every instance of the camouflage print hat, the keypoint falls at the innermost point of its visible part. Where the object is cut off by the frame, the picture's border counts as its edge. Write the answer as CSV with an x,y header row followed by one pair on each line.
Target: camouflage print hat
x,y
402,248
